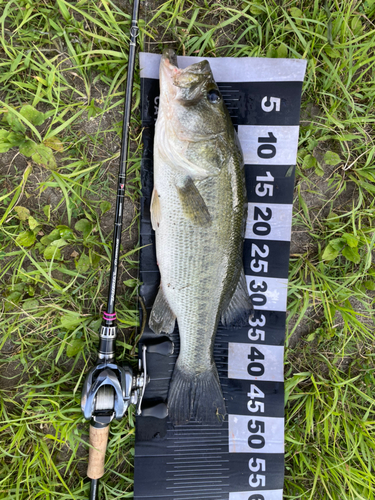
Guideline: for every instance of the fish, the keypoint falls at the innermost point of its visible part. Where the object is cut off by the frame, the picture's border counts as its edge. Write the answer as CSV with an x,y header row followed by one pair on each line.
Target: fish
x,y
198,212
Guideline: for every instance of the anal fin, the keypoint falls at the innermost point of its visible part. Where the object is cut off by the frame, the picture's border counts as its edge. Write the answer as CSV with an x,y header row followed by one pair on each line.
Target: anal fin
x,y
240,308
162,318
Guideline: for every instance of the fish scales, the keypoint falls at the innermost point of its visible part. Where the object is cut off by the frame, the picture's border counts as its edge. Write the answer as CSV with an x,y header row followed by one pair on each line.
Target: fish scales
x,y
193,263
198,213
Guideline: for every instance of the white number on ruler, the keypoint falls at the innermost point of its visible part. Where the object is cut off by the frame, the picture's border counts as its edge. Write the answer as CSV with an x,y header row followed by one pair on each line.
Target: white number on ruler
x,y
256,480
274,104
258,265
256,429
257,464
258,334
253,405
264,185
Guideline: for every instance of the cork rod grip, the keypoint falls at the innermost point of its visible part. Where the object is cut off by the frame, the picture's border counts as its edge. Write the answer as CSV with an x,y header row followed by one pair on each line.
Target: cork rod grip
x,y
98,442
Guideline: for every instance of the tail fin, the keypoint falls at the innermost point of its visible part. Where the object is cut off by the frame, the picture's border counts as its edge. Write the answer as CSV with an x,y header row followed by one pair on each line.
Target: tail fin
x,y
196,397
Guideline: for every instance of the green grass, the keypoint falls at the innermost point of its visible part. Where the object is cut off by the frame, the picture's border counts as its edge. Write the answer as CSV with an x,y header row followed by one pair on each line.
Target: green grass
x,y
58,170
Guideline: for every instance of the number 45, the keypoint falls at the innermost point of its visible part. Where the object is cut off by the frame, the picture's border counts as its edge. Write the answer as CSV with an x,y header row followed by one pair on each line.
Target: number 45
x,y
274,104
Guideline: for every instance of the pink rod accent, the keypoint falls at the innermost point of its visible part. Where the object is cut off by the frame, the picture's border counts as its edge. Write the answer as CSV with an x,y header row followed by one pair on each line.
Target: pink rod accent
x,y
109,316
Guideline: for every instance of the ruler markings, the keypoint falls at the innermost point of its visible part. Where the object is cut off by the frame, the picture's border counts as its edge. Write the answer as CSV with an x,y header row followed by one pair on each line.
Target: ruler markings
x,y
213,463
186,468
194,437
216,460
209,442
219,489
199,497
200,475
198,481
201,452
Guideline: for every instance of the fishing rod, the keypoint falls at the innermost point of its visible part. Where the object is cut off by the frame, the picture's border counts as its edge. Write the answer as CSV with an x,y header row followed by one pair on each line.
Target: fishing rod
x,y
109,387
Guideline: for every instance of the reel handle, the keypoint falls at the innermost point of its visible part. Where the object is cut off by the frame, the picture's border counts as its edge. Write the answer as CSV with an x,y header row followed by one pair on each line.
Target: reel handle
x,y
157,411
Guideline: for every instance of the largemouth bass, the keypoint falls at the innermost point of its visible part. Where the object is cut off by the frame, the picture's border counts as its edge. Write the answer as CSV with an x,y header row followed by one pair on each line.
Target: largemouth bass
x,y
198,212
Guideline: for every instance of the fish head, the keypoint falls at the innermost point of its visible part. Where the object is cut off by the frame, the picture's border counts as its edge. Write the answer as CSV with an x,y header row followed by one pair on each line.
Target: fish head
x,y
191,100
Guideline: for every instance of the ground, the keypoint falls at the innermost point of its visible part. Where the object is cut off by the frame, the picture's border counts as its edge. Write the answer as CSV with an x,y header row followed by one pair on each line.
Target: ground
x,y
58,172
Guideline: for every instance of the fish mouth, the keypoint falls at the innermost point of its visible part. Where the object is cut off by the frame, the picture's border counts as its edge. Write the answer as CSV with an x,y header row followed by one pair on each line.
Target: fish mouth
x,y
169,58
174,78
168,70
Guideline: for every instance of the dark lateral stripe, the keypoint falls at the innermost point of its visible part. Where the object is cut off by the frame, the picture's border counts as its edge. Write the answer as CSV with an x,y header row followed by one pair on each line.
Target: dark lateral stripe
x,y
266,258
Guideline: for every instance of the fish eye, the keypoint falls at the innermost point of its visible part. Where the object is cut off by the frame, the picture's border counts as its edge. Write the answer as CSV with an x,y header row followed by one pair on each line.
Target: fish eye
x,y
213,96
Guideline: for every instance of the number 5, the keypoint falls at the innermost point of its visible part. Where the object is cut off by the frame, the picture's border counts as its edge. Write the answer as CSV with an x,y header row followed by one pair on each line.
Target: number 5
x,y
256,480
274,104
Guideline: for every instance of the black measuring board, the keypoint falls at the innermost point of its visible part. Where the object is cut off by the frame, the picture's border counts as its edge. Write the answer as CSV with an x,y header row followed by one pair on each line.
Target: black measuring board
x,y
244,458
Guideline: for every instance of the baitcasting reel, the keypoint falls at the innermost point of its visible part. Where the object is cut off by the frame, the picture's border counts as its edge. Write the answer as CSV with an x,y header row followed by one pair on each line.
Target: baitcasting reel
x,y
110,388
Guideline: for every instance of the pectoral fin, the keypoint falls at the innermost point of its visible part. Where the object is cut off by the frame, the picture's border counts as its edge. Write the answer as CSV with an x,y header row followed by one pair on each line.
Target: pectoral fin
x,y
193,205
240,307
162,318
